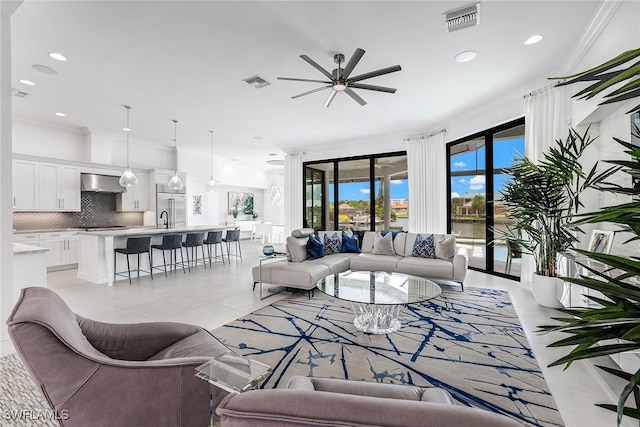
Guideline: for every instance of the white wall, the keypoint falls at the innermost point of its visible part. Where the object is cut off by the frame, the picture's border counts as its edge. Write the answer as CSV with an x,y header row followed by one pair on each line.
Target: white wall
x,y
48,141
196,187
273,213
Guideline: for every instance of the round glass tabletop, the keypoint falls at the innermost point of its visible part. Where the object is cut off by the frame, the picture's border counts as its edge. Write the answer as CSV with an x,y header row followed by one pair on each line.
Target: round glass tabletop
x,y
378,287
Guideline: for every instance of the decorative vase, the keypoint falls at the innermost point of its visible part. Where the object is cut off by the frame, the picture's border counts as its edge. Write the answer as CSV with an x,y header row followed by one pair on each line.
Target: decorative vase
x,y
268,250
547,291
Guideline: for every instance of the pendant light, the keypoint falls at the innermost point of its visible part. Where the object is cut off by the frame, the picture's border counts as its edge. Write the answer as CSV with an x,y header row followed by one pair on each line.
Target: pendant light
x,y
175,183
211,185
128,179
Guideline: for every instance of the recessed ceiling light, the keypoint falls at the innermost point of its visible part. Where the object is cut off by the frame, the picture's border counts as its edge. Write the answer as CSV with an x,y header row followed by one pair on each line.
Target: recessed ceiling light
x,y
273,154
533,39
44,69
27,82
126,129
234,160
257,137
57,56
276,162
61,115
466,56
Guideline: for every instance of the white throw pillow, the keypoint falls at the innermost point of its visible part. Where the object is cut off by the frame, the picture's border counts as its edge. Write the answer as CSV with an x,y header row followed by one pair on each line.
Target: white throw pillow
x,y
383,245
446,247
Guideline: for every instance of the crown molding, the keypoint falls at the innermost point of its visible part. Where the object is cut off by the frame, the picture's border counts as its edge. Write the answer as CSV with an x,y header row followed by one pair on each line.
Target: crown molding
x,y
603,14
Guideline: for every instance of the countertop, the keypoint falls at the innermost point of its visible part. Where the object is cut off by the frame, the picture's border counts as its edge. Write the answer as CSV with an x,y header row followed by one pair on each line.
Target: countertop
x,y
46,230
22,249
147,231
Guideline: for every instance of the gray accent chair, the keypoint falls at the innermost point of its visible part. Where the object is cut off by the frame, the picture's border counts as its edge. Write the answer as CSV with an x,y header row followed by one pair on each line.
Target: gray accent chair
x,y
332,402
104,374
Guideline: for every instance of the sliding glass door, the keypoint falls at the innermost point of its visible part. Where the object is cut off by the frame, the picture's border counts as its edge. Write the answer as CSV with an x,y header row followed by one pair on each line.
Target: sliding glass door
x,y
358,193
478,168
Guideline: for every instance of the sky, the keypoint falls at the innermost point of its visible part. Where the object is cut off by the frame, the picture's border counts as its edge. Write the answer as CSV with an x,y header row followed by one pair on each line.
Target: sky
x,y
360,190
504,152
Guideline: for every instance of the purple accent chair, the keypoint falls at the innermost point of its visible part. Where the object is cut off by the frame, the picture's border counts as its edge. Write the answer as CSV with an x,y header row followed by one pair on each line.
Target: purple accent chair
x,y
104,374
332,402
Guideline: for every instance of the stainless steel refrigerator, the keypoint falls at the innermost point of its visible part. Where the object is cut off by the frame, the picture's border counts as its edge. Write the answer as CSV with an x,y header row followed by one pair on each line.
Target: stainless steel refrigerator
x,y
171,207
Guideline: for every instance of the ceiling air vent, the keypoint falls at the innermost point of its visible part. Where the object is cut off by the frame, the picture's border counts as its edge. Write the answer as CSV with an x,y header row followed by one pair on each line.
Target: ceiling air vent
x,y
256,81
464,17
18,93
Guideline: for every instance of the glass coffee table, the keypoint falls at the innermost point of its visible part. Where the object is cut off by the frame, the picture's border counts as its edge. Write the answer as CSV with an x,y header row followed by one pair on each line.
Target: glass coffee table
x,y
377,297
233,373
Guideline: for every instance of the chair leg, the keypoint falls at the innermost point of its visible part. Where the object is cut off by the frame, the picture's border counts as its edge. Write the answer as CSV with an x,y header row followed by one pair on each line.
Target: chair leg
x,y
138,266
128,268
239,249
164,261
204,262
182,260
150,264
115,258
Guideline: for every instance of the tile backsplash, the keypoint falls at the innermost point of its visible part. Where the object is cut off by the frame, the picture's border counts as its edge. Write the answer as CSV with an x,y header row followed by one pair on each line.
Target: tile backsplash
x,y
97,210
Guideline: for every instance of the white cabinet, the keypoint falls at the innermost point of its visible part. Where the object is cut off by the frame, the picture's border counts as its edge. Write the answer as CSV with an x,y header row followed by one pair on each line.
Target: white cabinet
x,y
45,186
59,187
25,185
28,239
137,197
63,248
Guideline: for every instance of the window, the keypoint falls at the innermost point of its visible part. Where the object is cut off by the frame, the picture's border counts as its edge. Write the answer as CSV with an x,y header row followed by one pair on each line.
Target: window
x,y
359,193
477,170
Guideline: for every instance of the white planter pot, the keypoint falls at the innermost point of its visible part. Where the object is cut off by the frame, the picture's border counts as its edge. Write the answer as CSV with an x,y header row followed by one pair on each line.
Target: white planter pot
x,y
547,291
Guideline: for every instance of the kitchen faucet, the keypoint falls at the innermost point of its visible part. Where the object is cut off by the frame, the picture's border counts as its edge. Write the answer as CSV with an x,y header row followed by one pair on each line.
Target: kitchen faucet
x,y
166,220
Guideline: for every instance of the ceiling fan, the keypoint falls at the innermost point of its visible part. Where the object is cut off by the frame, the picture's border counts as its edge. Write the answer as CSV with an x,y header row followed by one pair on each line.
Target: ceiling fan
x,y
340,80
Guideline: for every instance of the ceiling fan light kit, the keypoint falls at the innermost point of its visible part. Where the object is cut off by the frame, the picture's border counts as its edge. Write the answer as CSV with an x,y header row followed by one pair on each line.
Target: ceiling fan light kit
x,y
340,80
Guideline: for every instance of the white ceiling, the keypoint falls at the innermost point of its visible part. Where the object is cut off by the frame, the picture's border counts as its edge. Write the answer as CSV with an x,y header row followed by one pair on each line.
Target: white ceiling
x,y
186,61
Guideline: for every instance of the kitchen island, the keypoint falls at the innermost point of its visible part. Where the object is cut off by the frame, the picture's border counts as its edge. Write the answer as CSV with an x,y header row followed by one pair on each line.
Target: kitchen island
x,y
96,256
29,267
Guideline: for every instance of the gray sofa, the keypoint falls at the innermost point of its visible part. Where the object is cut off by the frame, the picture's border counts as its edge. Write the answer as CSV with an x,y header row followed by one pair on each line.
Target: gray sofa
x,y
300,273
101,374
332,402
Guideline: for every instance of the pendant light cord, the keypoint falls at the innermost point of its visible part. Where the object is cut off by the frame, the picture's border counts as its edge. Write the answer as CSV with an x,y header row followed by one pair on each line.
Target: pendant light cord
x,y
175,143
211,132
128,130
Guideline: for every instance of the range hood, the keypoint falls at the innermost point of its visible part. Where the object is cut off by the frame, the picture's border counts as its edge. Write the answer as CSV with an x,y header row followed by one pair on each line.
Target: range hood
x,y
101,183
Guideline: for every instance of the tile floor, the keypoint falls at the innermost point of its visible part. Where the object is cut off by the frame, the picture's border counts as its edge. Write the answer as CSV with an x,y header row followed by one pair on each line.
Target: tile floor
x,y
213,297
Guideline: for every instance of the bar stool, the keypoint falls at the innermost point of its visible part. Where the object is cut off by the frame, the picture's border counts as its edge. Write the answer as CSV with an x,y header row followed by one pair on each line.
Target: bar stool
x,y
194,240
214,238
135,246
171,243
231,237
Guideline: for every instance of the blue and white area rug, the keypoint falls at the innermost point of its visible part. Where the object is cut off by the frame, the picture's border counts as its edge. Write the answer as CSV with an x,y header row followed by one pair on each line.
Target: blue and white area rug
x,y
469,343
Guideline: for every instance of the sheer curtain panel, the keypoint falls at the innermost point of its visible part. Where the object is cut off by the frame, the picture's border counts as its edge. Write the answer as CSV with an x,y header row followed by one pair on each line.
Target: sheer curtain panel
x,y
292,193
426,162
546,119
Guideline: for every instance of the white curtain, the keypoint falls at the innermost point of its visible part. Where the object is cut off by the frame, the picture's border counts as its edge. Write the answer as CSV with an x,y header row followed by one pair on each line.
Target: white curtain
x,y
547,119
426,162
292,193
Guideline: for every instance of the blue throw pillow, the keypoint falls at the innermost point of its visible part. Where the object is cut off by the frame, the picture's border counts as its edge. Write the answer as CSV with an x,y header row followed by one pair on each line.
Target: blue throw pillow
x,y
315,247
331,244
349,244
424,247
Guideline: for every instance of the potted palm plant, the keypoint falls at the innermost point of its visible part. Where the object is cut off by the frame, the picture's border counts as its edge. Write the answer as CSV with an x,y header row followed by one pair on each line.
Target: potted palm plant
x,y
542,200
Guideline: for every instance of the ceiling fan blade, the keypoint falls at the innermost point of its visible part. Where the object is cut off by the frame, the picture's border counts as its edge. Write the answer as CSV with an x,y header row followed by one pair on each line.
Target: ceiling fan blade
x,y
331,96
375,73
372,87
311,91
355,58
303,80
355,97
315,65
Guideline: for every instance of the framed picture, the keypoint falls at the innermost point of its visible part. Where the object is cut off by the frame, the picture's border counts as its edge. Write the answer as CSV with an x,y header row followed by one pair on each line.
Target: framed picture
x,y
601,241
241,203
